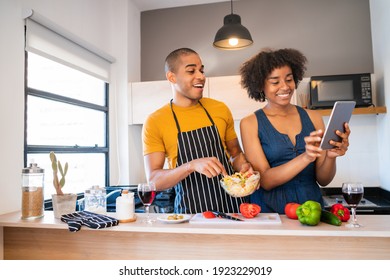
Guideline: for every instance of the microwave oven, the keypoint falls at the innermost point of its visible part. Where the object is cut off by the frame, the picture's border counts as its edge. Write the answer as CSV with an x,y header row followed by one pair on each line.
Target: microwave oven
x,y
326,90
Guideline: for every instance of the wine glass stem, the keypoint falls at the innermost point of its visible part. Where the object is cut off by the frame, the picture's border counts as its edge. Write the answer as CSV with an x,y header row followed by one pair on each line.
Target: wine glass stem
x,y
147,212
353,209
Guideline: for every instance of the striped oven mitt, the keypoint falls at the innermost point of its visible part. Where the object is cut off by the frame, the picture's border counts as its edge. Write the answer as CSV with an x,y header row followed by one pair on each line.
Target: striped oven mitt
x,y
92,220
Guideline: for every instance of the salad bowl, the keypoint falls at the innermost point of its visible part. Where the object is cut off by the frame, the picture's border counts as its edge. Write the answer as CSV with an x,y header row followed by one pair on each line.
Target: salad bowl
x,y
241,184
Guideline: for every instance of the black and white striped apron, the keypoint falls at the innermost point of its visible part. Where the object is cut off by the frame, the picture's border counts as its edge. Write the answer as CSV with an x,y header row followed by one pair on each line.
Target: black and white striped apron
x,y
197,193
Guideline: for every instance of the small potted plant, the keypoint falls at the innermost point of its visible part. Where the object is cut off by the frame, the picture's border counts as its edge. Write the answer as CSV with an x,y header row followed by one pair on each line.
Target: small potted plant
x,y
62,203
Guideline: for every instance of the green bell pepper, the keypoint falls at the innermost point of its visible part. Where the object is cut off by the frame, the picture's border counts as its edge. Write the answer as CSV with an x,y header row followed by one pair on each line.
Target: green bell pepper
x,y
309,213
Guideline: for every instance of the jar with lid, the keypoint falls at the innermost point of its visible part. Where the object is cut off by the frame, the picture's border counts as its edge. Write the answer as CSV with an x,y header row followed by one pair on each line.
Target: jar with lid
x,y
95,200
32,192
125,207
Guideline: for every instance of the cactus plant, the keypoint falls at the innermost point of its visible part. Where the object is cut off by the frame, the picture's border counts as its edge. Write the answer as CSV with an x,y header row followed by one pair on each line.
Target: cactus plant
x,y
57,166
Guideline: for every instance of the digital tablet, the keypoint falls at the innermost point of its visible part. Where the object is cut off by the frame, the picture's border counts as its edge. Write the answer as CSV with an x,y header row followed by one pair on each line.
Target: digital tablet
x,y
341,113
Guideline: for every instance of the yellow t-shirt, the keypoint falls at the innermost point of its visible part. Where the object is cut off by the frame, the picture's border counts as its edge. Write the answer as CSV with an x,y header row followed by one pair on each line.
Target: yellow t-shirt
x,y
160,133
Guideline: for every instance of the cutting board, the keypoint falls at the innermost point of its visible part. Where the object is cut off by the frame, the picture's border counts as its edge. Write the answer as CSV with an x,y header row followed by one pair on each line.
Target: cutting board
x,y
262,218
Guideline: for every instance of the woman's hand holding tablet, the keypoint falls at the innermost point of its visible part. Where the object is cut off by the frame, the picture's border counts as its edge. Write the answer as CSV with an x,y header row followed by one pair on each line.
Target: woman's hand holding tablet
x,y
341,113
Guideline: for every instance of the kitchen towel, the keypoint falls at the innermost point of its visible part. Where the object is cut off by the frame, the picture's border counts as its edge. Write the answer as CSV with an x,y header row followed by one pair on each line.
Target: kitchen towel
x,y
92,220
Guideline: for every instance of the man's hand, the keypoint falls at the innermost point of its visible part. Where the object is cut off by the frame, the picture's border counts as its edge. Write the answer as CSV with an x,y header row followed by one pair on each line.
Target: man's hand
x,y
209,167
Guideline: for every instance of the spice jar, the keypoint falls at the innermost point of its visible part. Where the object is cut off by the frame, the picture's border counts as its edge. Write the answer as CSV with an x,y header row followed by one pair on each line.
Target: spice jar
x,y
95,200
32,192
125,207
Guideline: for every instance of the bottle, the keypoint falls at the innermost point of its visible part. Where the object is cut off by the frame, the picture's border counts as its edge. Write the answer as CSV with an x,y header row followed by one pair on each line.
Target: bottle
x,y
32,192
125,207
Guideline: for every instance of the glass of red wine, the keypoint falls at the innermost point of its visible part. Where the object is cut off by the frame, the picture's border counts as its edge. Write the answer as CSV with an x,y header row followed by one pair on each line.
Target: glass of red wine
x,y
147,192
353,193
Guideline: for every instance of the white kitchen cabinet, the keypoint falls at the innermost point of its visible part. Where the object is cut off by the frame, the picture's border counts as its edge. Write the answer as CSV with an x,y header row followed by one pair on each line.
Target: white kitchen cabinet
x,y
146,97
228,90
302,95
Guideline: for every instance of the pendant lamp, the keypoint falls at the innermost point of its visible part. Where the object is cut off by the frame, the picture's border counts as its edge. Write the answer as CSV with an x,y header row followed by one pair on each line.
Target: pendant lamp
x,y
232,35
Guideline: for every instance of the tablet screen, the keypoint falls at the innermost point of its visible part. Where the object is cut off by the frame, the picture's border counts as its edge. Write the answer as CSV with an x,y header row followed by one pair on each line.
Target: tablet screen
x,y
341,113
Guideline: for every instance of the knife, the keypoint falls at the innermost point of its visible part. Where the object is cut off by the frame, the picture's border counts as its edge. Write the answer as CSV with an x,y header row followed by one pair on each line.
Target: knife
x,y
226,216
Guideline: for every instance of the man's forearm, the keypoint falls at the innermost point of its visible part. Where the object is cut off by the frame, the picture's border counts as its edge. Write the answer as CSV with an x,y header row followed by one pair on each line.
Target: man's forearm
x,y
167,178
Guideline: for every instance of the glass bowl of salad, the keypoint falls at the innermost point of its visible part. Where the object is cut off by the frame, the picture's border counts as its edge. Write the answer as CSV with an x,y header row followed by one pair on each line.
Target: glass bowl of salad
x,y
241,184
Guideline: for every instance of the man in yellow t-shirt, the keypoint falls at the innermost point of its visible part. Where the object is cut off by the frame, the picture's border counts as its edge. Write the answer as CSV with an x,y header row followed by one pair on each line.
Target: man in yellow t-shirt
x,y
196,135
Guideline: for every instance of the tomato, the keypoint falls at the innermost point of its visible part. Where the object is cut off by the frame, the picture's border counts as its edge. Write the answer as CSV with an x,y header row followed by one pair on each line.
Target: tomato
x,y
250,210
291,210
208,215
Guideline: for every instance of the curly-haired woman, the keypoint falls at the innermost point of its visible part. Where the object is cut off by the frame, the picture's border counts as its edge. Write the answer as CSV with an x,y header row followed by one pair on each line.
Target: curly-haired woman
x,y
282,140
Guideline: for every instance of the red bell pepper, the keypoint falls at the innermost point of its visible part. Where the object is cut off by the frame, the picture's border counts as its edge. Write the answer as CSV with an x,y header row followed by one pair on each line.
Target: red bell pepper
x,y
340,211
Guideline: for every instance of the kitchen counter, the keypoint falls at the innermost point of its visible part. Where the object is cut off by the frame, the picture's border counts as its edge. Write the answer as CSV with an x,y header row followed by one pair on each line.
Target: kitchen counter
x,y
49,238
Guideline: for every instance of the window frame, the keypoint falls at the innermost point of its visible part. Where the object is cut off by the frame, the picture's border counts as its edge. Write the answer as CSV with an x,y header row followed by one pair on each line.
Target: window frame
x,y
35,149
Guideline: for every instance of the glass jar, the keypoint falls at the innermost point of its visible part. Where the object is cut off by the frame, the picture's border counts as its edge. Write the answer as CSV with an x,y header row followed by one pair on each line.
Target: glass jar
x,y
95,200
32,192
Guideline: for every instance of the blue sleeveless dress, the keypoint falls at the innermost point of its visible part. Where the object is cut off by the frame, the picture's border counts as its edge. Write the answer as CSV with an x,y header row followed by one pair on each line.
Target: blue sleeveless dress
x,y
279,149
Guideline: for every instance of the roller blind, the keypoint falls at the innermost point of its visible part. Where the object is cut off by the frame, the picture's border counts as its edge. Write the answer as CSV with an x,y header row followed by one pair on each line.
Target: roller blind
x,y
47,39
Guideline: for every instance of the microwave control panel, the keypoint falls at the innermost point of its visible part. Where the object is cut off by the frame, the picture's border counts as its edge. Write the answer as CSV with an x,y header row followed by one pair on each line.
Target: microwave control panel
x,y
365,82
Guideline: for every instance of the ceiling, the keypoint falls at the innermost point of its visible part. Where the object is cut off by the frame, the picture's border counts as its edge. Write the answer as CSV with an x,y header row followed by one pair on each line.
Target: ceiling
x,y
146,5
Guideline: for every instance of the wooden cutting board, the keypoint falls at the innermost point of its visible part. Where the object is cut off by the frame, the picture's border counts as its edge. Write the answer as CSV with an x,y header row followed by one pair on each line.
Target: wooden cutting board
x,y
262,218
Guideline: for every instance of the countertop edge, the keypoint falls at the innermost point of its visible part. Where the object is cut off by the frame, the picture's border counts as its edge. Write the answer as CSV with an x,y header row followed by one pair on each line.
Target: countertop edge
x,y
375,226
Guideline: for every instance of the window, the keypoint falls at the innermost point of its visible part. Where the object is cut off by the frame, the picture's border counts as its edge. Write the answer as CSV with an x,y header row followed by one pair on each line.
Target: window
x,y
66,112
66,106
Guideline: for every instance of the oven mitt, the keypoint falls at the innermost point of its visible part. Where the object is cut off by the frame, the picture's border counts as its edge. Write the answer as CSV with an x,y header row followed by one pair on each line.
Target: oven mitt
x,y
92,220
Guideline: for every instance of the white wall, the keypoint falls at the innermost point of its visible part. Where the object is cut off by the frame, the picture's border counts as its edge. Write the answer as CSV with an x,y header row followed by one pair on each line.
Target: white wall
x,y
361,161
103,23
380,23
135,158
12,104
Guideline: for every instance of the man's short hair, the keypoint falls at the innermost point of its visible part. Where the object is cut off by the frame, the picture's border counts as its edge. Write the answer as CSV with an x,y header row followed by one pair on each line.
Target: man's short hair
x,y
174,56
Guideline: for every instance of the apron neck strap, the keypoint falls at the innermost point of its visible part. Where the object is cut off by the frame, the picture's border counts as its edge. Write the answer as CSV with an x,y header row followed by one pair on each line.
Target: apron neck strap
x,y
174,116
177,122
208,115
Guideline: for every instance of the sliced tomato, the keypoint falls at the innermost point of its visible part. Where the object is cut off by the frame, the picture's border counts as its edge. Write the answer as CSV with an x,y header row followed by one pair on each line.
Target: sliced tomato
x,y
291,210
250,210
208,215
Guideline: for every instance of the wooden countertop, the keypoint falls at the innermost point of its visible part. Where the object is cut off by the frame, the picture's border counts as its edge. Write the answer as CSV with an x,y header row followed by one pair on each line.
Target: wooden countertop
x,y
189,241
374,226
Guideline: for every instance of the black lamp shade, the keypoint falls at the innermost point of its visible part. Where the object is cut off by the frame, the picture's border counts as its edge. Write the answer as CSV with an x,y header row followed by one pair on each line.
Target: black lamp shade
x,y
232,29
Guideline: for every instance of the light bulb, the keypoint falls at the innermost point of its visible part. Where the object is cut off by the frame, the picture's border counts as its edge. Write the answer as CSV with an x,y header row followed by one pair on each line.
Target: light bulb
x,y
233,41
